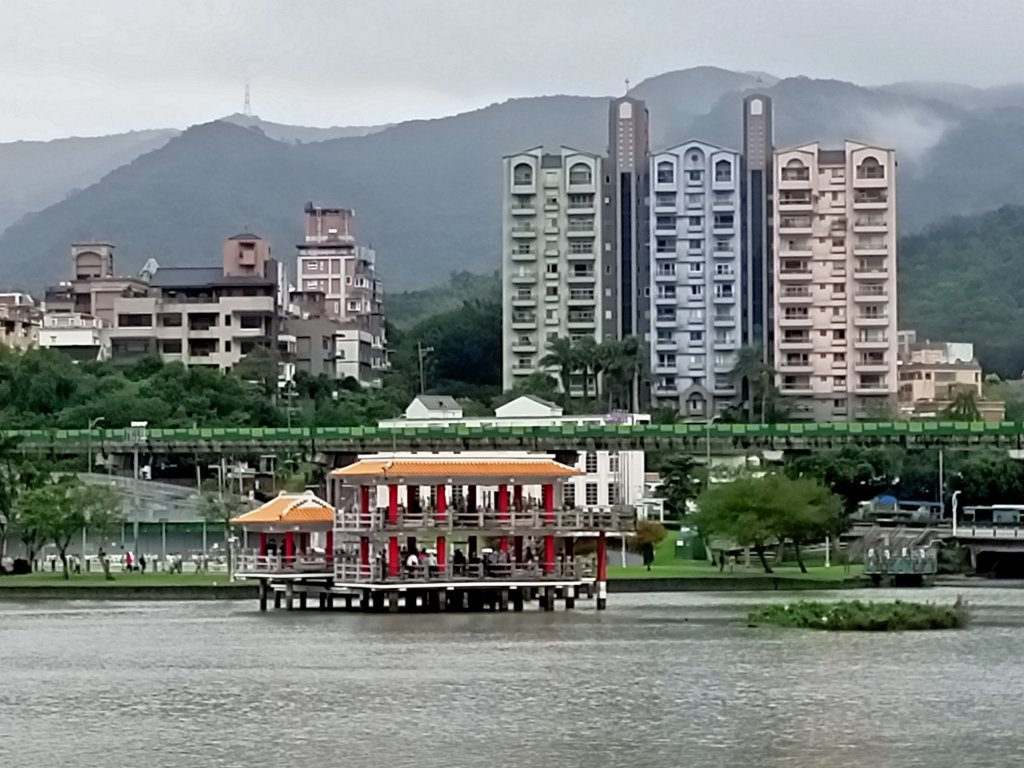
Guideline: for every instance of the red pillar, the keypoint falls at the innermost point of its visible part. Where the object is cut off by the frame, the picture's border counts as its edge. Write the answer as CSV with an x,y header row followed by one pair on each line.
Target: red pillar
x,y
393,505
549,518
503,514
364,550
442,552
471,499
289,548
330,547
442,504
412,498
393,564
517,498
263,543
602,571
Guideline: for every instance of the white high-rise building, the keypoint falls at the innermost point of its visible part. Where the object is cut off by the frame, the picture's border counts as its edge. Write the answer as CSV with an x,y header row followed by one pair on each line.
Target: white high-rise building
x,y
835,280
551,233
695,276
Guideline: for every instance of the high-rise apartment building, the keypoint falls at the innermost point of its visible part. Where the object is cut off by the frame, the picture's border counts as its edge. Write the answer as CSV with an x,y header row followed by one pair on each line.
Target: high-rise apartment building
x,y
758,148
552,281
625,224
835,279
696,280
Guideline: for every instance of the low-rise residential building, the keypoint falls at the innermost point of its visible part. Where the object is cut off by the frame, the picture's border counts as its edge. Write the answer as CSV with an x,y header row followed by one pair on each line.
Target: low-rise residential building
x,y
932,374
611,477
19,326
203,315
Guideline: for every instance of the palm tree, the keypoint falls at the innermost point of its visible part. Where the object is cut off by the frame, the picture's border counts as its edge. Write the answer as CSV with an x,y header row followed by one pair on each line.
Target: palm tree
x,y
562,356
754,378
964,406
587,359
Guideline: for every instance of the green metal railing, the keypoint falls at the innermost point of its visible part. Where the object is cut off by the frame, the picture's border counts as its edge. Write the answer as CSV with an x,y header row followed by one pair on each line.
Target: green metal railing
x,y
924,430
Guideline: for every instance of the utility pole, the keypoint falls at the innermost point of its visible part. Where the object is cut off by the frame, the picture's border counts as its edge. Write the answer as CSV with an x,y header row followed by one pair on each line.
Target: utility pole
x,y
422,353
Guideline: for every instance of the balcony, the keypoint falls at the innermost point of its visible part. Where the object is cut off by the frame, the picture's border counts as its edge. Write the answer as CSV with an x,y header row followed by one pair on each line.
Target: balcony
x,y
795,275
795,251
795,204
580,229
868,365
665,369
725,298
580,322
581,298
867,202
870,249
578,254
524,322
578,209
524,346
797,367
665,389
870,272
724,277
579,277
871,342
871,321
527,277
796,297
724,228
666,299
798,344
796,387
870,224
724,321
524,301
523,209
530,255
871,297
871,388
795,226
796,321
665,321
665,276
523,230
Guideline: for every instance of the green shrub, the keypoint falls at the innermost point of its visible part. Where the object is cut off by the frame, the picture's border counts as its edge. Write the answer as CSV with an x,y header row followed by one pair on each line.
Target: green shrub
x,y
854,615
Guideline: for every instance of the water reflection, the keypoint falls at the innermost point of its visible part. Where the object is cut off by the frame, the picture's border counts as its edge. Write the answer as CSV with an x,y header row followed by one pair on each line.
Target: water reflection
x,y
658,680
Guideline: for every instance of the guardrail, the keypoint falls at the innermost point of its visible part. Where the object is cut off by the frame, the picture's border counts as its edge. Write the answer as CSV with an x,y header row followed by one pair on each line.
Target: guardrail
x,y
567,434
247,563
578,569
531,518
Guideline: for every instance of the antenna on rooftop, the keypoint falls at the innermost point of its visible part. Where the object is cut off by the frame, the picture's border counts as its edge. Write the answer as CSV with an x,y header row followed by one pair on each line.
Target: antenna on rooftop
x,y
627,86
247,108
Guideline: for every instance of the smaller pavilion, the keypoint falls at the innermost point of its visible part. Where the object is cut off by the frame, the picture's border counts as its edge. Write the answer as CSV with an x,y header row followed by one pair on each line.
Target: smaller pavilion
x,y
296,536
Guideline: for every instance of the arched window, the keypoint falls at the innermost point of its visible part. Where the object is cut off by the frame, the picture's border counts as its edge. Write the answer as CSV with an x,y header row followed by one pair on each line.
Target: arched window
x,y
666,173
795,170
522,174
580,173
723,170
870,168
695,405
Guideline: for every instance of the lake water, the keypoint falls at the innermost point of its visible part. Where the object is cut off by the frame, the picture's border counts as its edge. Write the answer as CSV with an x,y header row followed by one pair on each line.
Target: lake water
x,y
656,681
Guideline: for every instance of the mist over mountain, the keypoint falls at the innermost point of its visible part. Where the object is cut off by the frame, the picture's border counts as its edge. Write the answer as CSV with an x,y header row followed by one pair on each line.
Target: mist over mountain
x,y
427,192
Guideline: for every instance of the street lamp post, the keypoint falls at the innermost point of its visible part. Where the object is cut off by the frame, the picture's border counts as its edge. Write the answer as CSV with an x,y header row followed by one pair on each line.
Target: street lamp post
x,y
707,445
88,441
954,503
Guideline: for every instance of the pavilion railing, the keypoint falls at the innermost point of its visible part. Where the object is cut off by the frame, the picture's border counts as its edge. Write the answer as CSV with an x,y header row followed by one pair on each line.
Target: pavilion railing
x,y
253,562
530,518
573,569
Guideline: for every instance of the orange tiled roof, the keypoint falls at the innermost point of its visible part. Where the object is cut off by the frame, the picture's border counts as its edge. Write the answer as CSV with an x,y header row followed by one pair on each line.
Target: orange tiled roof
x,y
289,508
394,468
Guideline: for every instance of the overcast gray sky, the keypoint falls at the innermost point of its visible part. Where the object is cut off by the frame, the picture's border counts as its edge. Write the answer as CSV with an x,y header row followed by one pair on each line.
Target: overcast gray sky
x,y
89,67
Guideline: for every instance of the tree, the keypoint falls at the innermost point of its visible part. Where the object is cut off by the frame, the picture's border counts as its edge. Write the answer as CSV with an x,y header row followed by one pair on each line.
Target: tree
x,y
64,507
649,534
964,406
218,507
753,377
624,362
810,512
588,357
260,367
746,511
561,355
857,474
679,483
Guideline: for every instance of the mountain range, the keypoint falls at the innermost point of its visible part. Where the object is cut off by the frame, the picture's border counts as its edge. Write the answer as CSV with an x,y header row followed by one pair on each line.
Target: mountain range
x,y
427,192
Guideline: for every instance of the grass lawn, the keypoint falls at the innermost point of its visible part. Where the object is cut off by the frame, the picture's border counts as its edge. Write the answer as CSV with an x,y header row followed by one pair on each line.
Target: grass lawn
x,y
47,579
667,566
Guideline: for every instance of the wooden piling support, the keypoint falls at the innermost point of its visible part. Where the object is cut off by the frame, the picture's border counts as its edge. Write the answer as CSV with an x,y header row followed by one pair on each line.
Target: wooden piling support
x,y
263,594
289,595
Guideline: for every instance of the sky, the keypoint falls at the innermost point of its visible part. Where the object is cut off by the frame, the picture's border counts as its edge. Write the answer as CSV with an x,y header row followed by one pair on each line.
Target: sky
x,y
84,68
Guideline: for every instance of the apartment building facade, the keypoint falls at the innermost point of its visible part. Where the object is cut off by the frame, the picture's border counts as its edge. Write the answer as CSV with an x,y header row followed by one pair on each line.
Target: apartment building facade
x,y
835,340
696,284
209,316
553,284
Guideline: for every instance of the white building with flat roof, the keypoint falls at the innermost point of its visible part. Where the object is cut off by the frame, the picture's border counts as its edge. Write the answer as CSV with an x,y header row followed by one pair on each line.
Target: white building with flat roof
x,y
611,477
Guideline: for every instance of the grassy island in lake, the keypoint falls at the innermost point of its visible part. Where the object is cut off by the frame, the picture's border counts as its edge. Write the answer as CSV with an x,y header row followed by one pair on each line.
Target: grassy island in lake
x,y
854,615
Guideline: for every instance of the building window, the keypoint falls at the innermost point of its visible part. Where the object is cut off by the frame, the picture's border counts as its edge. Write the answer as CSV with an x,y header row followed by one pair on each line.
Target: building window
x,y
522,174
723,171
590,463
569,495
580,173
613,494
591,494
613,461
666,173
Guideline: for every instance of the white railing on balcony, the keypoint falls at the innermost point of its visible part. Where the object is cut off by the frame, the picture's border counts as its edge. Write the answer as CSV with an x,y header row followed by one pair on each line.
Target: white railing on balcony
x,y
530,518
497,568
